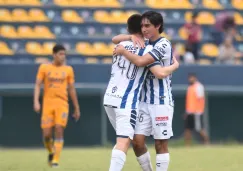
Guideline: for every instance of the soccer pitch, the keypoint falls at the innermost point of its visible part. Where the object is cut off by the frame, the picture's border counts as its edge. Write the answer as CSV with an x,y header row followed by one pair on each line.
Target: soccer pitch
x,y
198,158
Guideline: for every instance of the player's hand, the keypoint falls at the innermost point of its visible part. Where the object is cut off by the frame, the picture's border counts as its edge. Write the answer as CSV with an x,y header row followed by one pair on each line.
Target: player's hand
x,y
119,50
137,41
76,114
175,62
37,107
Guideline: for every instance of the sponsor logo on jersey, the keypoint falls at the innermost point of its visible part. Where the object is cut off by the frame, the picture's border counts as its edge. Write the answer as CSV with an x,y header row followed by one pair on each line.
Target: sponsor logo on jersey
x,y
114,95
164,118
161,124
160,49
131,48
164,132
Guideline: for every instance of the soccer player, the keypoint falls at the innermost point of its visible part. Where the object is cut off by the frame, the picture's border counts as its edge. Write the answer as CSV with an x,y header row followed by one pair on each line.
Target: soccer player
x,y
157,105
57,78
122,93
195,105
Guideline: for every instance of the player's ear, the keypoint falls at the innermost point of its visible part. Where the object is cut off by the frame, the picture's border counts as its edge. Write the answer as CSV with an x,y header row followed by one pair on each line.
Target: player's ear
x,y
158,26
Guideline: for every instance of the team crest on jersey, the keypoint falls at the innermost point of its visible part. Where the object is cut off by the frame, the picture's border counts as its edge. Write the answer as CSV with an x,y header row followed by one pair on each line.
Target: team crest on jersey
x,y
114,89
150,75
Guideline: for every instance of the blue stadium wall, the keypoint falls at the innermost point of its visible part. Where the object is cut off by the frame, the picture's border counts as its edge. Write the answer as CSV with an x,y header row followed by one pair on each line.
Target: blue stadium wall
x,y
209,75
19,125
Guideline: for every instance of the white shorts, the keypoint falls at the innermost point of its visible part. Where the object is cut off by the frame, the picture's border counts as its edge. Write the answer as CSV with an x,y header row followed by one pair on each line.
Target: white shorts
x,y
155,120
123,121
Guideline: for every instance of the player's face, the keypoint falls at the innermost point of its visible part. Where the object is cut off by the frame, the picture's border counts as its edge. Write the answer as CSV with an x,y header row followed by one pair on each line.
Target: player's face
x,y
60,57
148,29
191,79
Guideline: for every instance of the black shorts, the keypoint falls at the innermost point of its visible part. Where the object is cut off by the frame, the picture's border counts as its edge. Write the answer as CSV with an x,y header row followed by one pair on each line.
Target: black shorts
x,y
194,122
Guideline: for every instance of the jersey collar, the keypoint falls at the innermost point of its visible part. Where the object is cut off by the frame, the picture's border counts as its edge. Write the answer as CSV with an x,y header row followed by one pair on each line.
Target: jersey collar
x,y
154,42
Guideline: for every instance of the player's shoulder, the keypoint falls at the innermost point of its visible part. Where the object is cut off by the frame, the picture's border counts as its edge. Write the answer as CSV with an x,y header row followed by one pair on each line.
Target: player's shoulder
x,y
199,85
44,66
163,46
127,42
68,67
164,42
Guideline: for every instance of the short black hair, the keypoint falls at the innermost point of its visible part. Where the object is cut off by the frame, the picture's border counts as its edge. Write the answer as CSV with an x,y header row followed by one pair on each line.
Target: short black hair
x,y
155,18
57,48
192,74
134,24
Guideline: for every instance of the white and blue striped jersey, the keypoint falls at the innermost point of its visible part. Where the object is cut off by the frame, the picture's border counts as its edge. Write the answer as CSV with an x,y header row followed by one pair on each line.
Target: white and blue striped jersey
x,y
126,79
159,91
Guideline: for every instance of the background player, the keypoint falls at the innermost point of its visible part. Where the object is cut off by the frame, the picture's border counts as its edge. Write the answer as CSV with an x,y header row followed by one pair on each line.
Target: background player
x,y
57,78
156,109
195,105
121,97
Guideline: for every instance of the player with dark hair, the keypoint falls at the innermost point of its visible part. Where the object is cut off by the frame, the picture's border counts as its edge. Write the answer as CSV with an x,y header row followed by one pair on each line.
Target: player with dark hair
x,y
156,106
57,78
195,106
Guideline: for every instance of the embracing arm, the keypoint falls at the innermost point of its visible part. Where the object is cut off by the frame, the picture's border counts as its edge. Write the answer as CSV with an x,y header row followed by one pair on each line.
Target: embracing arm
x,y
139,61
162,72
137,41
121,37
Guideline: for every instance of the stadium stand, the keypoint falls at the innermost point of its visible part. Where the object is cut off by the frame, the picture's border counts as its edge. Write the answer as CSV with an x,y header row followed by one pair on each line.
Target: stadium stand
x,y
29,28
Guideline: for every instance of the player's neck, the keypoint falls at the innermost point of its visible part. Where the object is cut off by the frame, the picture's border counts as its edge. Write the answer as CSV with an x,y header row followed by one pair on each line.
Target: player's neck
x,y
56,64
154,38
139,35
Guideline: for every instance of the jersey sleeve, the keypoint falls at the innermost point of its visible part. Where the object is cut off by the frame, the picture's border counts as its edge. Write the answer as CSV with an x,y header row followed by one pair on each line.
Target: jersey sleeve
x,y
153,64
70,78
200,91
41,73
161,51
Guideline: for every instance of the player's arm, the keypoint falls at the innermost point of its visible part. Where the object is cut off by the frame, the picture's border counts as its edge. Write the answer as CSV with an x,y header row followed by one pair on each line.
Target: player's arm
x,y
73,95
161,51
121,37
162,72
39,79
137,41
200,97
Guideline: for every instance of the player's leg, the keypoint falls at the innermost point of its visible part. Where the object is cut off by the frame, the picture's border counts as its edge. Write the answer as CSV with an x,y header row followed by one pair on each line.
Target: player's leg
x,y
162,116
162,155
47,123
189,126
61,118
125,125
199,126
143,129
111,115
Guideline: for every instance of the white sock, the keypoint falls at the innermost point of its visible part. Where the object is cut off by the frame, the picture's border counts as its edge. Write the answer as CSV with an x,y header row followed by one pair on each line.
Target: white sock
x,y
162,162
145,162
118,159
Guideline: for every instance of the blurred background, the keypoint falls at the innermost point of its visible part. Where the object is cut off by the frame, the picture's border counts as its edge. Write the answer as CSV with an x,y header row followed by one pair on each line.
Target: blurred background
x,y
206,36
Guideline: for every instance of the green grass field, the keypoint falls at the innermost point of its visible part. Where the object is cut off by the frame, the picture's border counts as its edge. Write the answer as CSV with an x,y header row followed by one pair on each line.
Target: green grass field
x,y
197,158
